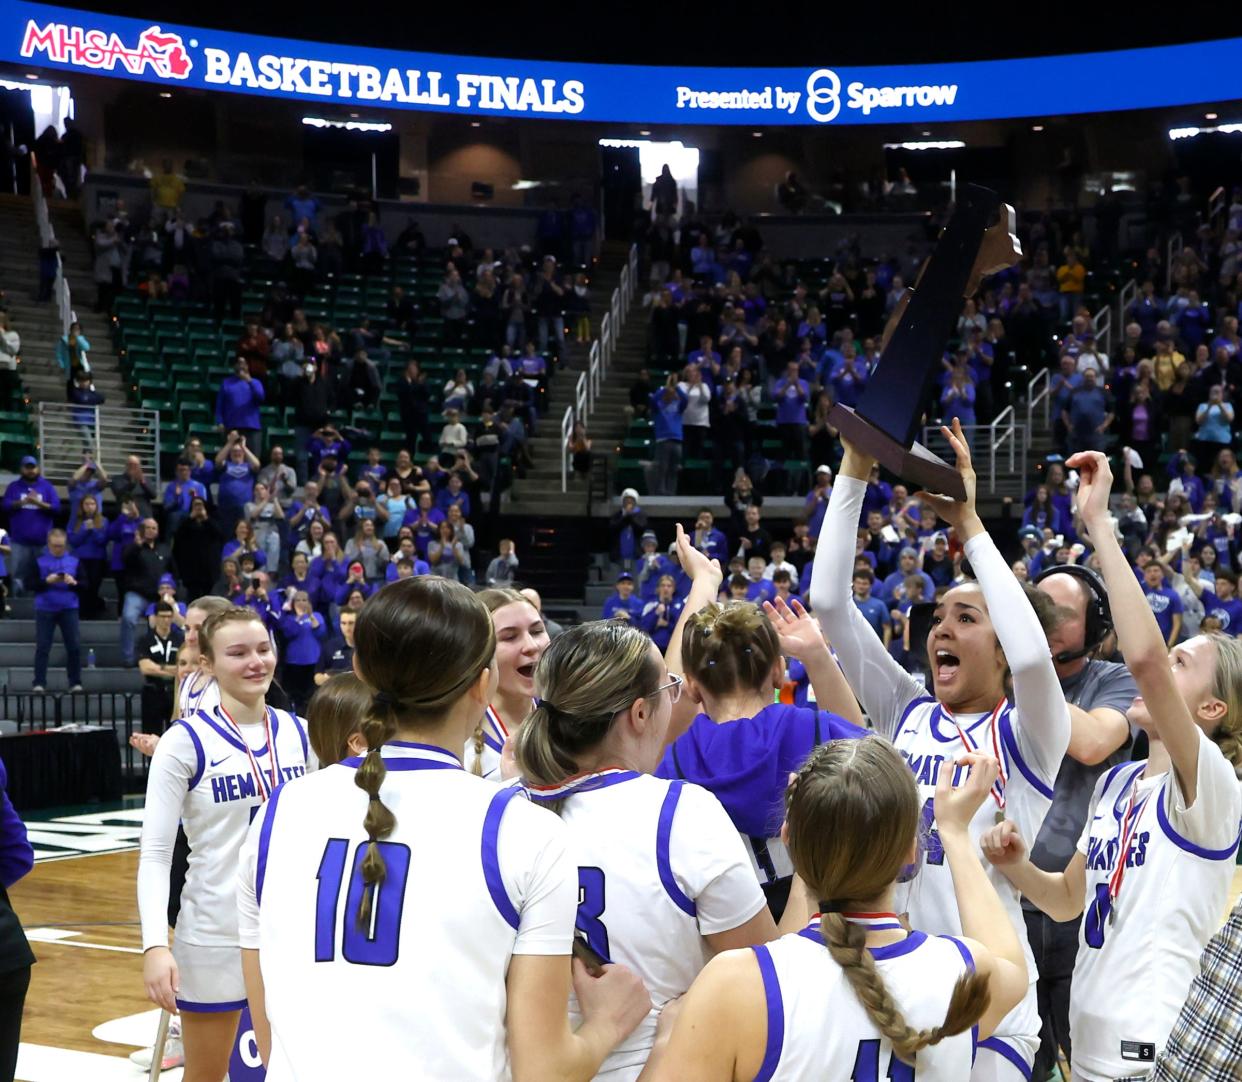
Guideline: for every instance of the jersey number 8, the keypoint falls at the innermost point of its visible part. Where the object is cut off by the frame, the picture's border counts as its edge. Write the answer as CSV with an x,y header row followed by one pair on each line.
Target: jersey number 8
x,y
377,942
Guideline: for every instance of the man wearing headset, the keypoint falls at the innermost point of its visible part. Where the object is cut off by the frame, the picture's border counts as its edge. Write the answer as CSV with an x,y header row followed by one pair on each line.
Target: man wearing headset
x,y
1098,693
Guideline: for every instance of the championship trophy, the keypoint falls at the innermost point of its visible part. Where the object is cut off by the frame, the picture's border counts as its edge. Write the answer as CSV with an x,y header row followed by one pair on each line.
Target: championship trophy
x,y
979,240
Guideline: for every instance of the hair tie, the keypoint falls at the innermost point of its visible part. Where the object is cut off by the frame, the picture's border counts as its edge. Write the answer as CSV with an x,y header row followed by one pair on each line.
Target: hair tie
x,y
383,699
831,907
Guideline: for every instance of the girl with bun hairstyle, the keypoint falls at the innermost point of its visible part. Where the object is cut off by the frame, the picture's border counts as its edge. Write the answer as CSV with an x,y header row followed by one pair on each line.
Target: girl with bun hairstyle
x,y
740,745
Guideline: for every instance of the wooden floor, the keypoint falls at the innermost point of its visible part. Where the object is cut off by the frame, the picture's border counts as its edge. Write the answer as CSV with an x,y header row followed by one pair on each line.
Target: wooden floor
x,y
78,984
74,987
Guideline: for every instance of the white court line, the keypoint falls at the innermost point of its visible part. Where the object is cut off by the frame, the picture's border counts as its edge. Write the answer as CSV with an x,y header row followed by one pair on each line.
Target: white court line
x,y
55,937
41,1063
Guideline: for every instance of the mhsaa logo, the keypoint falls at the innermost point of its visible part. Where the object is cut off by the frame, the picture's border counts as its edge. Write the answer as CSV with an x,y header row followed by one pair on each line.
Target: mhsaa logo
x,y
164,54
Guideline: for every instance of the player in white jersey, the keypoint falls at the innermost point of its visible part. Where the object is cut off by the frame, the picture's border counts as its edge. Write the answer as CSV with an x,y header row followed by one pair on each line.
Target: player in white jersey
x,y
521,639
663,879
334,719
439,904
1156,856
731,738
855,996
980,635
210,773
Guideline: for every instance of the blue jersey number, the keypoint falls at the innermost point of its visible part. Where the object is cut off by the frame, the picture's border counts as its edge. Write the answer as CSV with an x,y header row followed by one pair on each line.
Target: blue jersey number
x,y
1095,920
377,942
867,1065
931,836
590,909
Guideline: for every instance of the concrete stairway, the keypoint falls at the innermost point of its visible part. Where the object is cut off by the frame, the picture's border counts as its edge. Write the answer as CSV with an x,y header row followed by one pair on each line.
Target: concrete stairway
x,y
539,492
39,323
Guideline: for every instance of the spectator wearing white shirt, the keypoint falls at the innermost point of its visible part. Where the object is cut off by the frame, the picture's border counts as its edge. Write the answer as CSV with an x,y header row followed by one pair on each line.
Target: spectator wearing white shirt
x,y
1091,357
696,420
777,562
453,437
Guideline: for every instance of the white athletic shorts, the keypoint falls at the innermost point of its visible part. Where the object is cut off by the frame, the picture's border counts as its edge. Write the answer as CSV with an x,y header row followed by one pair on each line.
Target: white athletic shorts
x,y
211,978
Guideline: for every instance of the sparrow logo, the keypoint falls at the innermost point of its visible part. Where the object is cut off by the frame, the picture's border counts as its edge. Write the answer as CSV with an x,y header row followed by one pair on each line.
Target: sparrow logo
x,y
164,54
823,95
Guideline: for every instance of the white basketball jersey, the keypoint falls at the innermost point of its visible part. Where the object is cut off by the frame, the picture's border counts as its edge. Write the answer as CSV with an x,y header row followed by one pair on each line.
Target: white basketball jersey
x,y
198,692
475,874
1135,966
659,866
927,736
818,1031
228,784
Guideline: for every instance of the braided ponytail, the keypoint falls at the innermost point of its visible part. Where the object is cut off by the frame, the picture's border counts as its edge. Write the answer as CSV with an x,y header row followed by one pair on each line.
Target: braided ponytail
x,y
379,726
476,768
846,943
852,815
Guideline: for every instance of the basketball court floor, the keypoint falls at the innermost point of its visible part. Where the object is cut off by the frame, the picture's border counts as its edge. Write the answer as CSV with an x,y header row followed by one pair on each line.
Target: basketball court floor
x,y
86,1010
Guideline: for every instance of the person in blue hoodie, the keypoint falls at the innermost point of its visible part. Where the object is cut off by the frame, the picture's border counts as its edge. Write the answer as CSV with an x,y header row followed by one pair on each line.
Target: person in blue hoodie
x,y
624,605
303,630
238,402
89,543
56,605
740,744
32,504
667,406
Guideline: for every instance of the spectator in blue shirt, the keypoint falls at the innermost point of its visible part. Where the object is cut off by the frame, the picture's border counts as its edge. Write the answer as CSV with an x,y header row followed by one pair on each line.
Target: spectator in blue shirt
x,y
660,616
624,605
907,565
179,494
1193,321
302,205
758,588
1222,601
89,479
238,402
89,543
453,494
303,630
849,376
32,503
707,539
1164,601
327,443
1089,415
56,605
1061,389
706,358
667,406
238,466
958,398
791,395
873,609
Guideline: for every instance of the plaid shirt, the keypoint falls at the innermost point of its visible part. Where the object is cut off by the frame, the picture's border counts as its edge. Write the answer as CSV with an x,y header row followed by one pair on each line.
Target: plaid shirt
x,y
1206,1042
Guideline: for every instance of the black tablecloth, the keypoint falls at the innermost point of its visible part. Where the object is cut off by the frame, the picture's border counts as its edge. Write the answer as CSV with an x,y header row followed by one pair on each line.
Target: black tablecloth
x,y
48,770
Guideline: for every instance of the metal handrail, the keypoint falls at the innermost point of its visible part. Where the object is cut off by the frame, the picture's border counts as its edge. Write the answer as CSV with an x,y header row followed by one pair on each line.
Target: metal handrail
x,y
1102,324
605,341
567,431
109,433
1002,434
1216,205
1125,295
1172,249
594,376
1035,395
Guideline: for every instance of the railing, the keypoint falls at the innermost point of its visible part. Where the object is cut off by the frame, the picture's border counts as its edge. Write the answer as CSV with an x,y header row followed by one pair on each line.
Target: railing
x,y
1125,295
47,238
1003,437
1038,390
1216,206
119,710
602,349
1102,323
109,433
567,431
1171,251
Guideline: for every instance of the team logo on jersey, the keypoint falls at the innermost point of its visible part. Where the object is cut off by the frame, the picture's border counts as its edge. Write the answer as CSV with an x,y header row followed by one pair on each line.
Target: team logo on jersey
x,y
1157,601
162,54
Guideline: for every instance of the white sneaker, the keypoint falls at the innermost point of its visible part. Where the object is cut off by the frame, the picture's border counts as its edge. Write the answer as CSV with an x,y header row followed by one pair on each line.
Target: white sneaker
x,y
174,1055
76,687
41,689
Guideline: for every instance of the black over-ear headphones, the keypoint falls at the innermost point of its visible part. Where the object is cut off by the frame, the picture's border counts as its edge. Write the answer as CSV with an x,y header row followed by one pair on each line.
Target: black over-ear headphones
x,y
1099,619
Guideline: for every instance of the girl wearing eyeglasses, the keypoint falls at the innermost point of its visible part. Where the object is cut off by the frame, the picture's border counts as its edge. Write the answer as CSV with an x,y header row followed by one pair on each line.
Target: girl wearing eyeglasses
x,y
663,880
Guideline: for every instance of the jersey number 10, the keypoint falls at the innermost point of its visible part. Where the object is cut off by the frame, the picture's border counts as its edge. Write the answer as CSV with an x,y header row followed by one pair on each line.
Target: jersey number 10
x,y
377,942
867,1065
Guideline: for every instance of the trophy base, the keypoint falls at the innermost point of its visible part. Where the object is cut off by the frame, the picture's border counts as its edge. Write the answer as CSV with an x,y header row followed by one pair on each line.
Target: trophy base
x,y
916,464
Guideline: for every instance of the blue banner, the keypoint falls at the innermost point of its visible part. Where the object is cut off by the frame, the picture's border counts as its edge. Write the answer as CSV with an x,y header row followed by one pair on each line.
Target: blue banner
x,y
356,77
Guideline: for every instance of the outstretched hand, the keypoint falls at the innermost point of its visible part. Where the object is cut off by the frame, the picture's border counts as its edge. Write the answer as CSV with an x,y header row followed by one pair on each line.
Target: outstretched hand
x,y
798,631
695,563
1095,483
956,513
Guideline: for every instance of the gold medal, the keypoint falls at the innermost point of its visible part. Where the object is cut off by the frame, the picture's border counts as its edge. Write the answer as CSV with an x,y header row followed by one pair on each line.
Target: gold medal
x,y
1000,816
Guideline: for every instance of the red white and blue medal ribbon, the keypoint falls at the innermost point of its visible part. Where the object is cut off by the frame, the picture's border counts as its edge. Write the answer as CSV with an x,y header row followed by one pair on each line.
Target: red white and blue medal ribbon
x,y
998,786
263,786
1125,837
